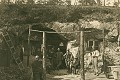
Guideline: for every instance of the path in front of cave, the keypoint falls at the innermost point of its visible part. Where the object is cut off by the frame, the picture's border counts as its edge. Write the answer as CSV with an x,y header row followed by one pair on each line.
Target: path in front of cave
x,y
63,75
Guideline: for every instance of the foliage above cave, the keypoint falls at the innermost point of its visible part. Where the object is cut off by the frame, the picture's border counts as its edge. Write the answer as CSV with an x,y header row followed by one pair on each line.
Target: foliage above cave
x,y
27,14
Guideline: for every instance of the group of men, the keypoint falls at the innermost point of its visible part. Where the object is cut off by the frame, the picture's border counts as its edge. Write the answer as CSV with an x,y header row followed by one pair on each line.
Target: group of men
x,y
72,62
55,60
93,59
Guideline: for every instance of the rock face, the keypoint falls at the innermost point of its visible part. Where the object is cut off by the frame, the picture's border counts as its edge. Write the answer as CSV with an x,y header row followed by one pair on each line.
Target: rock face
x,y
94,24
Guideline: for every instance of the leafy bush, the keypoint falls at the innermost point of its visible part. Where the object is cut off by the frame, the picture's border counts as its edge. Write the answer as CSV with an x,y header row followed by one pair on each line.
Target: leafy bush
x,y
13,73
27,14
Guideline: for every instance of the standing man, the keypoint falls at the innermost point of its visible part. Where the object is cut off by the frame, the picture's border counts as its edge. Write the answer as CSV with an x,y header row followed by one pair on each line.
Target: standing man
x,y
95,55
59,58
37,69
89,59
68,59
51,57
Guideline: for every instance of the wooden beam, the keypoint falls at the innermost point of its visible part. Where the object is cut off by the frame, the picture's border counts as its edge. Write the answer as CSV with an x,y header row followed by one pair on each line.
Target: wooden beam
x,y
28,46
104,65
118,29
88,44
93,45
119,40
58,32
104,3
44,55
82,55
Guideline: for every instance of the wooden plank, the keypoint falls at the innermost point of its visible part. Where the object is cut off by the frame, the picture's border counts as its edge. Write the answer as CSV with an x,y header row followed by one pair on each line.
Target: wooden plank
x,y
57,32
44,53
28,46
104,65
114,66
82,55
118,29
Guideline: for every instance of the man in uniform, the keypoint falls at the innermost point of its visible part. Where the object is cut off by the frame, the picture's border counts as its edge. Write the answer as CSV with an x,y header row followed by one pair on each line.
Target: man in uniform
x,y
95,55
51,56
59,58
37,69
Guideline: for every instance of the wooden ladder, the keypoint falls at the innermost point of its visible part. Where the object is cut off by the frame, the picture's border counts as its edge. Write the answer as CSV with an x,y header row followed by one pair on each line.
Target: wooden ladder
x,y
13,51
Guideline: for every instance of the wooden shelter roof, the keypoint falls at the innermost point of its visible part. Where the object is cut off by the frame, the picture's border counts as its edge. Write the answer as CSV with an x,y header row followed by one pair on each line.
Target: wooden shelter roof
x,y
37,36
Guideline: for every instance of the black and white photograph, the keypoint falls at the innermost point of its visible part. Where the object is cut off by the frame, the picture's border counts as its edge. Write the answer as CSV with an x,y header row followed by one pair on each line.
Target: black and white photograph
x,y
59,39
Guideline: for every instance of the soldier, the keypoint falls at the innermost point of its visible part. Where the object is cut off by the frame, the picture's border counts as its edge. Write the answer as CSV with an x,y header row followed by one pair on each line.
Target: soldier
x,y
37,69
95,55
59,58
51,56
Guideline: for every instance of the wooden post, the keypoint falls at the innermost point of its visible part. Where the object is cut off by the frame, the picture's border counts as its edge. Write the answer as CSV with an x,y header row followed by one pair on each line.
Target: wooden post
x,y
104,51
82,55
88,43
119,40
118,29
93,45
104,2
44,51
29,51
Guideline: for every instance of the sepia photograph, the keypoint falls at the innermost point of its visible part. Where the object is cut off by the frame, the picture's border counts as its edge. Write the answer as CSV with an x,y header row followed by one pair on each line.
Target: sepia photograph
x,y
59,40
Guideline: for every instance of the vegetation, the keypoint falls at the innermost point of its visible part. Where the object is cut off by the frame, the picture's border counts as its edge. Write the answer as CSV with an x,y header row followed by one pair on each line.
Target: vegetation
x,y
20,14
13,73
27,14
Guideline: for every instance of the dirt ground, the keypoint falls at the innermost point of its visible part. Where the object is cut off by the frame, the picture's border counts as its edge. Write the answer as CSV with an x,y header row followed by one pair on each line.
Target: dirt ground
x,y
63,75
